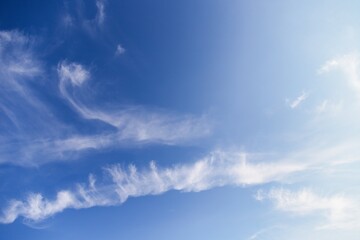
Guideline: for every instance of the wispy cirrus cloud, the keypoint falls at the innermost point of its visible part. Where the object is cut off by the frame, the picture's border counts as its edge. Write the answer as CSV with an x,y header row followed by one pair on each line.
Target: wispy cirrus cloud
x,y
18,63
262,232
74,16
100,15
73,72
296,102
132,123
23,116
348,64
217,169
339,211
17,57
119,50
29,131
330,107
31,134
20,70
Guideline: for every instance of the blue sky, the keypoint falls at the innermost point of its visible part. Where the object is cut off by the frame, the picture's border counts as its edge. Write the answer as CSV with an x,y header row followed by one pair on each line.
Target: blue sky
x,y
179,119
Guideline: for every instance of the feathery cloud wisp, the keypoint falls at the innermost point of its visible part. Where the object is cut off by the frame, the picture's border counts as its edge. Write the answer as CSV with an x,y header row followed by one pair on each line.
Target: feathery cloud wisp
x,y
119,50
349,65
219,168
132,123
338,210
73,72
100,15
215,170
295,103
42,137
16,56
20,70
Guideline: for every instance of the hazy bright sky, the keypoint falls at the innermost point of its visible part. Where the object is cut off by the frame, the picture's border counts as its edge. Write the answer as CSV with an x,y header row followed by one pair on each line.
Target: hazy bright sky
x,y
192,119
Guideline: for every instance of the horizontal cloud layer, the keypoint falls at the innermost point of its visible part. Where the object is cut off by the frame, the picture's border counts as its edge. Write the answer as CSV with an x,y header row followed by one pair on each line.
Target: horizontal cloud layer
x,y
31,132
217,169
338,210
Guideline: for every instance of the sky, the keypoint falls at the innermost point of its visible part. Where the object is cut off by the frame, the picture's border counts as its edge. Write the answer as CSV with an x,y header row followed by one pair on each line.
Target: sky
x,y
184,119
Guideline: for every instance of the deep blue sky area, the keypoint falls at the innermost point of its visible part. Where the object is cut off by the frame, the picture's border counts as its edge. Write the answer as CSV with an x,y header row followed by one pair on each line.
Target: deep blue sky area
x,y
179,119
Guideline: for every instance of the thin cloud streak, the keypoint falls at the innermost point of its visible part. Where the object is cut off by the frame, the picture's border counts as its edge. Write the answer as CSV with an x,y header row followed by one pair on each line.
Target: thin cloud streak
x,y
33,135
74,17
214,170
349,65
260,234
132,123
18,63
339,211
295,103
23,114
100,15
119,50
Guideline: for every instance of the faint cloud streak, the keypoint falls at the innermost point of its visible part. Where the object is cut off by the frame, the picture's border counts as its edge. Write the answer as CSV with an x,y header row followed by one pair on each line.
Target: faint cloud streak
x,y
348,64
339,211
296,103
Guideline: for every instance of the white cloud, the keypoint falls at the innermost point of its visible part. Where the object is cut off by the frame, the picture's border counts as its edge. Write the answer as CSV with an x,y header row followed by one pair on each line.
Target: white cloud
x,y
30,131
261,233
75,16
67,20
100,15
17,60
20,70
295,103
24,117
132,123
318,156
73,72
339,211
219,168
329,107
41,137
41,150
119,50
349,65
37,208
215,170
